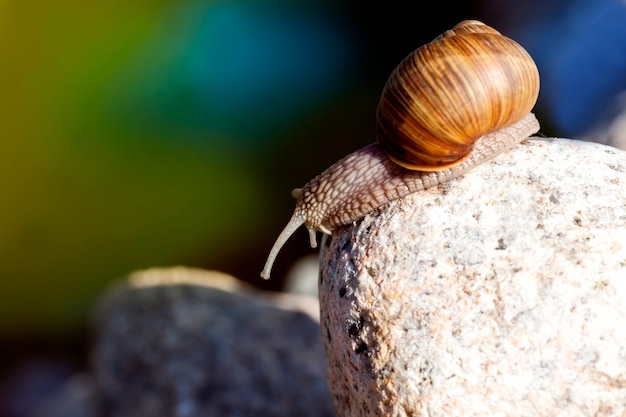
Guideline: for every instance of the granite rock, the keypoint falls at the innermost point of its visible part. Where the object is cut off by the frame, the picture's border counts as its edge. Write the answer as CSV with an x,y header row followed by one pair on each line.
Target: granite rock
x,y
501,293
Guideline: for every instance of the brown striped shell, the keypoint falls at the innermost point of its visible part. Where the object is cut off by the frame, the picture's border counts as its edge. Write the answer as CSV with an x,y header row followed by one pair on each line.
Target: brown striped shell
x,y
445,95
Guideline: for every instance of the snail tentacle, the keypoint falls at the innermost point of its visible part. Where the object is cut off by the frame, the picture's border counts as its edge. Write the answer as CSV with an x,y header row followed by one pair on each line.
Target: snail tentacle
x,y
294,224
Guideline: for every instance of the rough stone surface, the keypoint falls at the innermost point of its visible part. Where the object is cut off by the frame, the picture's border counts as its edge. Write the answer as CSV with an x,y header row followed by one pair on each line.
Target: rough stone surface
x,y
185,342
502,293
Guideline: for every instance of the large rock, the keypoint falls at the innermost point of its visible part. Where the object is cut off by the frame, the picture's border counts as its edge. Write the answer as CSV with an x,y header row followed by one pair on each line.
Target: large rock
x,y
186,342
502,293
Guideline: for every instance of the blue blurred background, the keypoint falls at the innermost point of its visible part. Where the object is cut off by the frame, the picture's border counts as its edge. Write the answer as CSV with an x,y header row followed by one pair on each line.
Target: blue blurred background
x,y
157,133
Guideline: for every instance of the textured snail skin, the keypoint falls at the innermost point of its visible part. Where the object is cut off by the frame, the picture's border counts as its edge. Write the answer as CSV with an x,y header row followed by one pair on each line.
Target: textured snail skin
x,y
366,180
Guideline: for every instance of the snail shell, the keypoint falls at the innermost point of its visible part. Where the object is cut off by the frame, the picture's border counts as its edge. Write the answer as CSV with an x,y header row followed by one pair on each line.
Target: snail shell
x,y
453,103
448,93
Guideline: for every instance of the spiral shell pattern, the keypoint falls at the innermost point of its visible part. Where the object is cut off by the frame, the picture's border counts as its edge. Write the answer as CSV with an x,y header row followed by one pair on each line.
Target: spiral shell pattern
x,y
446,94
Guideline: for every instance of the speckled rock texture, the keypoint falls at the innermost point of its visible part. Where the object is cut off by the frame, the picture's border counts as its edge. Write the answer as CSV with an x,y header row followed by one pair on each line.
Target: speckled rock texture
x,y
502,293
187,342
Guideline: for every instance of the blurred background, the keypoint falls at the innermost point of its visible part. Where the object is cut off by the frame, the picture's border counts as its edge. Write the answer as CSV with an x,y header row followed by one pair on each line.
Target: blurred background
x,y
158,133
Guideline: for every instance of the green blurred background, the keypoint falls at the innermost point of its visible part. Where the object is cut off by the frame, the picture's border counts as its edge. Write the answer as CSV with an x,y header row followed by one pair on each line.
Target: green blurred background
x,y
108,164
119,155
156,133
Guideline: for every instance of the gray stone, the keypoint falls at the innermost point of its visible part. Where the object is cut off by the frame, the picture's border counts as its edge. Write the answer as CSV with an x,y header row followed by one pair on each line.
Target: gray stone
x,y
498,294
185,342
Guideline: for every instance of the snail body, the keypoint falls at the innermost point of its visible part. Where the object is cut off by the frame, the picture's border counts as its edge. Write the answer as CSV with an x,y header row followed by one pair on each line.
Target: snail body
x,y
452,104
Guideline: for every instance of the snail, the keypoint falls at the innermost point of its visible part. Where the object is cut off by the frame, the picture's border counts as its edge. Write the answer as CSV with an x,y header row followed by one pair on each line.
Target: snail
x,y
450,105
